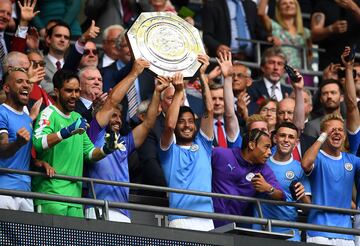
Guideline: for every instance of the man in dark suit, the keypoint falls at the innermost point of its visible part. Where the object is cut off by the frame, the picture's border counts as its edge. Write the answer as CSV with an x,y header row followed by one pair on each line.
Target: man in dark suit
x,y
221,27
270,86
143,87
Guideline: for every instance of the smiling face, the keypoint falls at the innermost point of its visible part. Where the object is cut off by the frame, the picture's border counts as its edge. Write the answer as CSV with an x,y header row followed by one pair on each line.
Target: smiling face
x,y
287,7
185,129
90,55
17,88
5,14
286,140
115,122
68,95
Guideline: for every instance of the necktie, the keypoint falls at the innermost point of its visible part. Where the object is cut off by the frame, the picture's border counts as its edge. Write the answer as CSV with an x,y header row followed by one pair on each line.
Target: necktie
x,y
58,65
2,52
132,101
273,95
296,154
241,25
220,135
127,13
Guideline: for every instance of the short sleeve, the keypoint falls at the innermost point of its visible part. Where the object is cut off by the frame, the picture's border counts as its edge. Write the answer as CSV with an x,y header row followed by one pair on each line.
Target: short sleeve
x,y
206,142
354,140
4,123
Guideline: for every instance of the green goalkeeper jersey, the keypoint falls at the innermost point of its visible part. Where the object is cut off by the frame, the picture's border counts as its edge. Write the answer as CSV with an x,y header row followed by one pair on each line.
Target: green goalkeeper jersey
x,y
66,157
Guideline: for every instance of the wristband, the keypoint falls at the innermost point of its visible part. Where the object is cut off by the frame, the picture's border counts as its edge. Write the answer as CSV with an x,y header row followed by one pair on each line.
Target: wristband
x,y
322,137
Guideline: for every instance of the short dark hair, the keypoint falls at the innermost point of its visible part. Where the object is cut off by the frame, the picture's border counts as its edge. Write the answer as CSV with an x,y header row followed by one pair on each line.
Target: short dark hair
x,y
215,86
287,125
63,75
252,136
59,23
184,109
331,81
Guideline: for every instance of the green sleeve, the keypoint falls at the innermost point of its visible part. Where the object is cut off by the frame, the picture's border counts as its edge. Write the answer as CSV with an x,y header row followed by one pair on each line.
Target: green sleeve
x,y
88,147
44,125
72,11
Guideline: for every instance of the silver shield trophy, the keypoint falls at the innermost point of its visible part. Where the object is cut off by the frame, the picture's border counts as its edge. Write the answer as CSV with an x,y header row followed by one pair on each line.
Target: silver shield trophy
x,y
167,41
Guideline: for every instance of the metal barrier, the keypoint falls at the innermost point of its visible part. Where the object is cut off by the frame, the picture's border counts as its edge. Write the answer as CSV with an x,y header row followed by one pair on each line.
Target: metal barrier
x,y
148,208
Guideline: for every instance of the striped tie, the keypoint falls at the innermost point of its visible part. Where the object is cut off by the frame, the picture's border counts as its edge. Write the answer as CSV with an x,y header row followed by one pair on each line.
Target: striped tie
x,y
2,53
132,101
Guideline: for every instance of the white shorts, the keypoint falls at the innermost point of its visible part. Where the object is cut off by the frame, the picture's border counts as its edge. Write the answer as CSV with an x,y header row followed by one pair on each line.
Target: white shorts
x,y
16,203
198,224
330,241
114,215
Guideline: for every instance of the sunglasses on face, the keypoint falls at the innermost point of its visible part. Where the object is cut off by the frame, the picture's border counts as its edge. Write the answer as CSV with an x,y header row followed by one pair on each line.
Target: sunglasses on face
x,y
87,52
36,64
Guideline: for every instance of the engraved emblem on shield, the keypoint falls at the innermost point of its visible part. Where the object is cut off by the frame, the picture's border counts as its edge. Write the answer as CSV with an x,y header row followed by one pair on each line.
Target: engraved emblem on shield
x,y
167,41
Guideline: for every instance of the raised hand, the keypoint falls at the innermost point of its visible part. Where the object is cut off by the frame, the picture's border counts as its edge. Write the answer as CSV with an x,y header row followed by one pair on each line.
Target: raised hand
x,y
111,143
225,63
35,110
90,33
178,81
77,127
162,83
139,65
22,136
300,84
27,11
36,74
344,55
205,61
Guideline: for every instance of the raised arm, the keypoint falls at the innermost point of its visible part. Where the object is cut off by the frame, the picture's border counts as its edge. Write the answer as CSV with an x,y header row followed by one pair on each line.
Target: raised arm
x,y
352,111
173,111
310,155
299,115
265,19
207,119
8,149
232,128
320,32
116,95
141,131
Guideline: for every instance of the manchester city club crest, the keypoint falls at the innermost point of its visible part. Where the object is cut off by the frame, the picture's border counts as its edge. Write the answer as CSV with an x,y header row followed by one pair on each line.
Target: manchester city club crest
x,y
348,166
194,147
249,176
290,175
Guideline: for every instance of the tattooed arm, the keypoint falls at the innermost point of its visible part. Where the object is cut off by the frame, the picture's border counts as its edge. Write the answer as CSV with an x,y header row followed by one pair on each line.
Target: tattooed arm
x,y
207,120
319,31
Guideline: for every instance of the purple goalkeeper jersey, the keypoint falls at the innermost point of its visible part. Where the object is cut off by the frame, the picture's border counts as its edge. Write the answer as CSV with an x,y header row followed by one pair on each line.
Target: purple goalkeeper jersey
x,y
232,175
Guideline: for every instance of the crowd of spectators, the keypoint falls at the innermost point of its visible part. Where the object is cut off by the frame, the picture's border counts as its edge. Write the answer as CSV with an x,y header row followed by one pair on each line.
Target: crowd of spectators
x,y
81,110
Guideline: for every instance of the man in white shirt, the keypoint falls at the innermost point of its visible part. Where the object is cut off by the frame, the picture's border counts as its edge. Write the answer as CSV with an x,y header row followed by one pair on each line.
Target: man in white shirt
x,y
111,53
91,86
272,67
